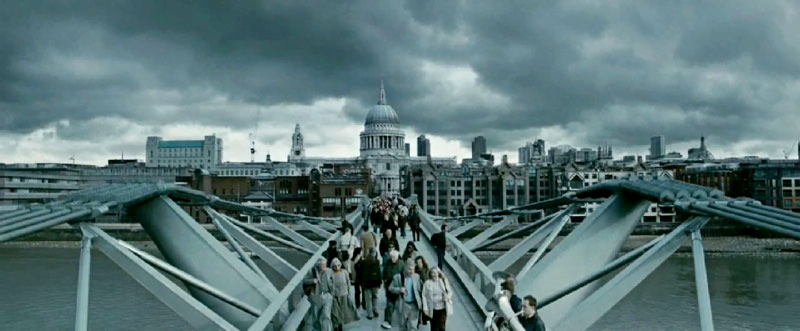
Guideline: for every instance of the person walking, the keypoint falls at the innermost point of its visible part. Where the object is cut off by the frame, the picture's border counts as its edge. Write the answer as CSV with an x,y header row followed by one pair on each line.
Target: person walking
x,y
402,219
409,288
318,286
393,266
529,318
410,253
376,218
350,266
439,242
414,222
388,239
368,276
332,252
423,271
348,242
368,239
513,299
342,309
437,299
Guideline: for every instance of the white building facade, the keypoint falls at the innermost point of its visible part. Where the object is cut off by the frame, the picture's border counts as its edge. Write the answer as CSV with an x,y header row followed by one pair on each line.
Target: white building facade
x,y
203,154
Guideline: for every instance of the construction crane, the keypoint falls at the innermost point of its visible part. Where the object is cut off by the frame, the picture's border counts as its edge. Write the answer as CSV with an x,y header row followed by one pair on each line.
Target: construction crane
x,y
253,135
786,152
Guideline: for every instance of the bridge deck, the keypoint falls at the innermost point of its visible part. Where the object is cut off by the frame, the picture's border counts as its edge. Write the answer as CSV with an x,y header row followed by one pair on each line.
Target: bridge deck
x,y
462,319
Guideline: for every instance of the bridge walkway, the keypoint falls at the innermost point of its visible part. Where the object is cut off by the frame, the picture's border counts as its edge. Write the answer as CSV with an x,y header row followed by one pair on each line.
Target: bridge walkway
x,y
463,318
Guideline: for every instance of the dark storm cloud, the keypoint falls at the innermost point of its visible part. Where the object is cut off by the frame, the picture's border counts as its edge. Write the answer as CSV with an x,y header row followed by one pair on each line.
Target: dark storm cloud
x,y
617,74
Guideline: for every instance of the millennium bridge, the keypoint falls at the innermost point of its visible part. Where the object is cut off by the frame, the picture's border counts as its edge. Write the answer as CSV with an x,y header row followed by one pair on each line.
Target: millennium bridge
x,y
577,280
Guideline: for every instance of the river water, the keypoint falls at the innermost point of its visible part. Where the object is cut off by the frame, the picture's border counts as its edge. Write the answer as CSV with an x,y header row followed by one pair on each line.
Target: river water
x,y
38,292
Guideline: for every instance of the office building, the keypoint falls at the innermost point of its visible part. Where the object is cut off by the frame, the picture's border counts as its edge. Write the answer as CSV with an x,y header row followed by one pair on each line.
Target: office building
x,y
423,146
658,147
202,154
478,147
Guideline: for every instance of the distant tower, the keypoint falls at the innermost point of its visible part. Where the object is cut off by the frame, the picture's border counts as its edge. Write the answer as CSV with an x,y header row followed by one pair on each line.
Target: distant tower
x,y
478,147
423,146
298,152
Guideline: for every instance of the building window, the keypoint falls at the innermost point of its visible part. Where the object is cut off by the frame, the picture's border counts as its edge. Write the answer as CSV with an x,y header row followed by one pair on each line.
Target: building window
x,y
787,203
388,166
787,182
337,191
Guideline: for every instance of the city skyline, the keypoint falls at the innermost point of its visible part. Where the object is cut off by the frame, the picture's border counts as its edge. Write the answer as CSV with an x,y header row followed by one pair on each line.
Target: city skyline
x,y
92,80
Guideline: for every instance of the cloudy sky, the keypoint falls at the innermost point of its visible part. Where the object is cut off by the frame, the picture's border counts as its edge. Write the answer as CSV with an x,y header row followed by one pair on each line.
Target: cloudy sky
x,y
93,79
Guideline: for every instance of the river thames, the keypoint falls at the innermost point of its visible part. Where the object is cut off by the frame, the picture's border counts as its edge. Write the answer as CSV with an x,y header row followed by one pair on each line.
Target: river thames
x,y
748,292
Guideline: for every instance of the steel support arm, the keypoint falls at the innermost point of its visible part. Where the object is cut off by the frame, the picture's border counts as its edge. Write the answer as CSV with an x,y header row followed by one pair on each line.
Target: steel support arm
x,y
465,227
609,268
296,237
190,309
82,308
232,242
590,246
525,245
267,255
523,229
268,235
587,312
190,280
558,224
701,281
488,233
315,229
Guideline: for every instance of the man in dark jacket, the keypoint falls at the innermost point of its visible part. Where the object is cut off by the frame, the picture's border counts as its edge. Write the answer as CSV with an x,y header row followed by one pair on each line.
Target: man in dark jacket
x,y
413,222
439,242
529,318
393,266
375,218
388,240
368,274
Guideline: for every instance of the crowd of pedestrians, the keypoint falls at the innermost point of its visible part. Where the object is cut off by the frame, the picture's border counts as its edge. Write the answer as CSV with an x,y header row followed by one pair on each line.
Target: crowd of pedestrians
x,y
417,292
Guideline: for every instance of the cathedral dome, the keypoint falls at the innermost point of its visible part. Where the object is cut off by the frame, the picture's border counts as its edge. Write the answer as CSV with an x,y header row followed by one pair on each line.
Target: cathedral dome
x,y
382,113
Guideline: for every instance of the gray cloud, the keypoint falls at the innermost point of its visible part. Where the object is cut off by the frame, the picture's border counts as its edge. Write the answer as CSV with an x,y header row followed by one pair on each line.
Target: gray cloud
x,y
613,74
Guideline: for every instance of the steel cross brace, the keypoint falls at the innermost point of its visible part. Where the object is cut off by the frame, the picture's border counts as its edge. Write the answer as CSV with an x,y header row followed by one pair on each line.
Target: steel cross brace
x,y
296,237
589,247
266,254
190,309
523,229
233,243
588,311
552,227
488,233
315,229
465,227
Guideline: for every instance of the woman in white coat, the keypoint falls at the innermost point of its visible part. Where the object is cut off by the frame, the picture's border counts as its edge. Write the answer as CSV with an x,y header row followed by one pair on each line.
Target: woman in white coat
x,y
437,299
